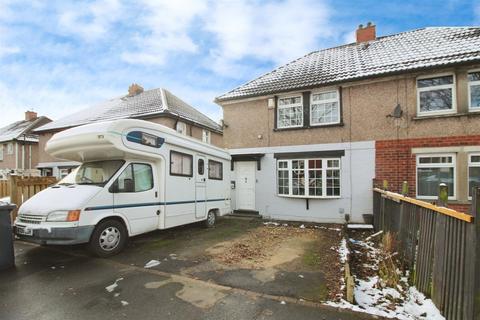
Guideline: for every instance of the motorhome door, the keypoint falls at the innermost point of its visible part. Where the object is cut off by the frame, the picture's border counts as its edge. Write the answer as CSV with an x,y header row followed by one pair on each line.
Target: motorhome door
x,y
201,187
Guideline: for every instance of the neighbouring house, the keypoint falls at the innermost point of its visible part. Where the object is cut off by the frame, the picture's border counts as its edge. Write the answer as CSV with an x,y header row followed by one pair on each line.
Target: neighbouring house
x,y
156,105
308,138
19,145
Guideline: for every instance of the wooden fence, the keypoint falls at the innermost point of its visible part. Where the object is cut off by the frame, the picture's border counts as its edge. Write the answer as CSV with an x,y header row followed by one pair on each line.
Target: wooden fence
x,y
440,248
23,188
4,188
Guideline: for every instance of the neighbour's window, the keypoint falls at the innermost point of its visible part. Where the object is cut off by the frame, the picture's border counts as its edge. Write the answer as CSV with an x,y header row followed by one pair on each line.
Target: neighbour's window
x,y
201,167
1,152
433,170
215,170
290,112
474,90
206,136
312,178
137,177
181,164
181,128
324,108
436,95
473,172
10,148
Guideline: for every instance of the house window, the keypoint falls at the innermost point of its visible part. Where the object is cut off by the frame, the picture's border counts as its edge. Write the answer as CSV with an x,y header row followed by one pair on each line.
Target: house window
x,y
473,172
215,170
309,178
1,152
474,91
10,148
206,136
181,164
290,112
436,95
324,108
433,170
181,128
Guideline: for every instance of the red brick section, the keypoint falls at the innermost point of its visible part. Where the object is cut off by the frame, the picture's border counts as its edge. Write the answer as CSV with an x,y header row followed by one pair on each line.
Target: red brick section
x,y
395,162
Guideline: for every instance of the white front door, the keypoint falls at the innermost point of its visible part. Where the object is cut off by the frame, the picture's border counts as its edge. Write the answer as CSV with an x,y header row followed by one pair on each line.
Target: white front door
x,y
245,185
201,187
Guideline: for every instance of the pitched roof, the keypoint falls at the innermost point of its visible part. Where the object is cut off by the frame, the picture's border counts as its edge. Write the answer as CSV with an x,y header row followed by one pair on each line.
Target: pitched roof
x,y
21,130
402,52
145,104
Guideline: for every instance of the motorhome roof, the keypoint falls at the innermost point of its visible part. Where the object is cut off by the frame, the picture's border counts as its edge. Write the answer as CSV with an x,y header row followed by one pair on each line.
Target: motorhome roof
x,y
106,140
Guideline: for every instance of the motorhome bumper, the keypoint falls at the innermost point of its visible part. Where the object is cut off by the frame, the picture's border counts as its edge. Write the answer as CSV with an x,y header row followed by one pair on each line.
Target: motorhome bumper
x,y
60,236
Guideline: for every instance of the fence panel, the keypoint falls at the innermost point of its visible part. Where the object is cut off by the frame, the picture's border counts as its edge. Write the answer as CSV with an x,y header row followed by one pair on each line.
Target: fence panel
x,y
441,246
23,188
4,188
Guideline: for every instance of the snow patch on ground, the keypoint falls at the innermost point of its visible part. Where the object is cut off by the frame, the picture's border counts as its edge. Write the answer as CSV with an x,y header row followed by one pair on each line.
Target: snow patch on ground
x,y
114,285
271,223
151,264
124,303
360,226
343,251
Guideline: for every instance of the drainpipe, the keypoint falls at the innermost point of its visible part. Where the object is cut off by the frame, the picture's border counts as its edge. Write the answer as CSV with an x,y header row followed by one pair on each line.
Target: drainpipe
x,y
16,155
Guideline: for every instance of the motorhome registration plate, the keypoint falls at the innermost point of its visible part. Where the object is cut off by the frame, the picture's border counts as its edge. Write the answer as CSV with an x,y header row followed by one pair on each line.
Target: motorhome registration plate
x,y
24,231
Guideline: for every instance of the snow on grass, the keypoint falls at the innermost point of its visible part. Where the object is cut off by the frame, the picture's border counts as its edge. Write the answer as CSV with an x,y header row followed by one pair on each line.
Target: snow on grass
x,y
114,285
360,226
271,223
343,251
124,303
151,264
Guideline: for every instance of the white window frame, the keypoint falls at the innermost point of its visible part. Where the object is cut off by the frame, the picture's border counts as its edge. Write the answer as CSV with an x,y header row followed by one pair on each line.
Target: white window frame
x,y
474,83
306,177
337,100
436,165
287,107
206,136
181,128
452,86
470,164
10,148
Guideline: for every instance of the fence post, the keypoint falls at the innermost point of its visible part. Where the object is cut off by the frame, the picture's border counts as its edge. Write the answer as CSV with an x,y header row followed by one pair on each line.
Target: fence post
x,y
472,308
14,196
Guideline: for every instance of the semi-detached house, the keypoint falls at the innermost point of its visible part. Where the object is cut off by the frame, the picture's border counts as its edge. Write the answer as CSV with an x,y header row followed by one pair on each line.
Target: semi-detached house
x,y
309,137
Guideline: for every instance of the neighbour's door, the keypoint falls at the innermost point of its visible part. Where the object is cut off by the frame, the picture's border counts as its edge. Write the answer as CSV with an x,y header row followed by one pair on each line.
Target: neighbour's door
x,y
245,185
135,196
201,188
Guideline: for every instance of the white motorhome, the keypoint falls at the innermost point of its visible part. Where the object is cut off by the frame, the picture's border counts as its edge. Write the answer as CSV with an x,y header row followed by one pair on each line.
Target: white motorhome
x,y
135,177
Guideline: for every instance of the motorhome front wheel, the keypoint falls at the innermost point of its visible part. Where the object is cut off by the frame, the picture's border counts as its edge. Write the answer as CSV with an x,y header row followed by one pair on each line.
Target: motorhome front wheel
x,y
108,238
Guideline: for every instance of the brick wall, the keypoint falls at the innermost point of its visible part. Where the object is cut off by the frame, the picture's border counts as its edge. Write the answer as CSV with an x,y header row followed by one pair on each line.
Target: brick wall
x,y
396,163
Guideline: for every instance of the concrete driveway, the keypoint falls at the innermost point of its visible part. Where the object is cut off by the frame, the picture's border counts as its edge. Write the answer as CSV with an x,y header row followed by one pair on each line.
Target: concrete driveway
x,y
220,273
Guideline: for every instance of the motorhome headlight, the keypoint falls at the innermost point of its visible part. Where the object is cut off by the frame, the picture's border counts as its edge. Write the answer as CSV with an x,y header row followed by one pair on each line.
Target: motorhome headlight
x,y
64,216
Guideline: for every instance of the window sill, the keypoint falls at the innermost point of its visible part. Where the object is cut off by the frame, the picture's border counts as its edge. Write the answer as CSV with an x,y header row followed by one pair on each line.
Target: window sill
x,y
341,124
450,115
307,197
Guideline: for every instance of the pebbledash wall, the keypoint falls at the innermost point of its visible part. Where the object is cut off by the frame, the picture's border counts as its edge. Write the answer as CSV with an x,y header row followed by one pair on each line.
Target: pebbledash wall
x,y
357,170
396,161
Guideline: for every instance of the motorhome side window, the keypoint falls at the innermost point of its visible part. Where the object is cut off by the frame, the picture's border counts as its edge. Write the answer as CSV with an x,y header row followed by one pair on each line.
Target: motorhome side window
x,y
137,177
215,170
181,164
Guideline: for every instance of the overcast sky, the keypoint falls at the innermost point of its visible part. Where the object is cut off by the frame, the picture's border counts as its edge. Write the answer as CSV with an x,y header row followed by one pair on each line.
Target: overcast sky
x,y
57,57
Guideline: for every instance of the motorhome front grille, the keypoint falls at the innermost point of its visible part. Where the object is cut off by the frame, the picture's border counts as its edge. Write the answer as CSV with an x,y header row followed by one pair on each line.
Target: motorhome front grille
x,y
26,218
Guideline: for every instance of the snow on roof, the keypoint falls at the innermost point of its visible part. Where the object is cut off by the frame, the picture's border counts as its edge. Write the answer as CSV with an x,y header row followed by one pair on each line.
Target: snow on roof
x,y
147,103
417,49
21,130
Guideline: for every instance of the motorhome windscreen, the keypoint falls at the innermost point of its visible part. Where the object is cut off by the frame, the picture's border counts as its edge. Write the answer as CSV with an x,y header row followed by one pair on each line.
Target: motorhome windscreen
x,y
97,172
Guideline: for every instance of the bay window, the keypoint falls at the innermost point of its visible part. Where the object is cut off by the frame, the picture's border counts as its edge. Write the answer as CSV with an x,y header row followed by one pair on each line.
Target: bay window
x,y
436,95
473,172
290,112
324,108
433,170
474,91
309,178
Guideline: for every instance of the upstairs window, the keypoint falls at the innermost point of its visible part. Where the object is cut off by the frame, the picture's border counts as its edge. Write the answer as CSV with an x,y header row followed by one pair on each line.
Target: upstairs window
x,y
290,112
309,178
436,95
474,91
206,136
473,172
324,108
433,170
181,128
10,148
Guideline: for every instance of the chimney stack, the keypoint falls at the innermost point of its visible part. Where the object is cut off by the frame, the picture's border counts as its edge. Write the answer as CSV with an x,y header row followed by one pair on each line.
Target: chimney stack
x,y
367,33
134,89
30,115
